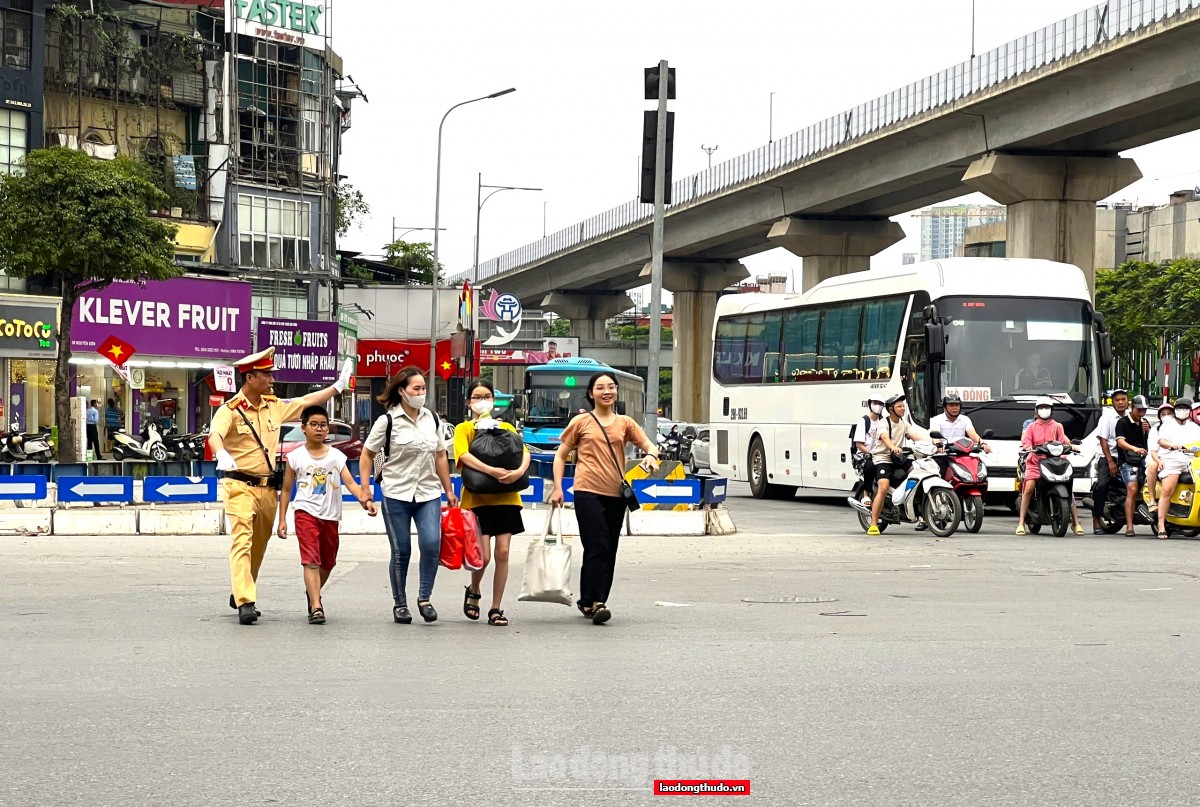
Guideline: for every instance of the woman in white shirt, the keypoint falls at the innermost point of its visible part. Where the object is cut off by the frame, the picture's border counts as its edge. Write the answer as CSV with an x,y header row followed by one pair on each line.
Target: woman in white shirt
x,y
415,473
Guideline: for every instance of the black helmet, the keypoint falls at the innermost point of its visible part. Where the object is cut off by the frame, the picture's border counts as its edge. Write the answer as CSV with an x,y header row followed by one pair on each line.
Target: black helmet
x,y
1183,403
895,399
1139,402
951,398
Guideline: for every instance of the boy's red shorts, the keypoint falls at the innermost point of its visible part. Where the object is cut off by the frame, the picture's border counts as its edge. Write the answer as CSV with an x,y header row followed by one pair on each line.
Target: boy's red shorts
x,y
318,540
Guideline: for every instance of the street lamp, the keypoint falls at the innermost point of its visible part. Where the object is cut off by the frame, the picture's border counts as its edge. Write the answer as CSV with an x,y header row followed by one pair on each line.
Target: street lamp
x,y
431,381
408,230
709,151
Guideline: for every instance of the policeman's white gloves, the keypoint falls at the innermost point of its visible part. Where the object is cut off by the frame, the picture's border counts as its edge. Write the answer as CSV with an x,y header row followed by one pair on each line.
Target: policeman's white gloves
x,y
225,461
344,379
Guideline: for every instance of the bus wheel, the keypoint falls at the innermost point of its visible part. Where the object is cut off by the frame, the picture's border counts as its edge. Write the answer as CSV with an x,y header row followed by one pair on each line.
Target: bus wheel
x,y
758,475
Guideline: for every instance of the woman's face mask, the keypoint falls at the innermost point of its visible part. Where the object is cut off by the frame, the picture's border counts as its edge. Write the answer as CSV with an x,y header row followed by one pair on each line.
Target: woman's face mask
x,y
1183,414
1044,412
482,407
415,401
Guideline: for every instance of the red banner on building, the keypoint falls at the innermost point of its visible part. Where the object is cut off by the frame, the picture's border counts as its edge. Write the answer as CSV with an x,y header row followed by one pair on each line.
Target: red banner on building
x,y
381,358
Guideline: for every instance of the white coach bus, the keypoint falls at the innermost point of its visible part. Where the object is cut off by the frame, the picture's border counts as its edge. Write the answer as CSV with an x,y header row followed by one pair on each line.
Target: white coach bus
x,y
792,373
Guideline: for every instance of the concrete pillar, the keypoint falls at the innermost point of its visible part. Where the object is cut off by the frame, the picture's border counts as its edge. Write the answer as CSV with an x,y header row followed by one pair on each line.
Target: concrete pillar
x,y
694,286
1052,202
588,311
832,247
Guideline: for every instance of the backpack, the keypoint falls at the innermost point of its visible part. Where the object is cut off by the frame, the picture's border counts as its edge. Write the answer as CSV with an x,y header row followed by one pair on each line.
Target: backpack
x,y
381,459
857,457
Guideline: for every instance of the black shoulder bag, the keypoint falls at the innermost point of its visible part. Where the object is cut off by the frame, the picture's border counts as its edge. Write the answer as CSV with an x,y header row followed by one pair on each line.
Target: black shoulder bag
x,y
630,498
276,471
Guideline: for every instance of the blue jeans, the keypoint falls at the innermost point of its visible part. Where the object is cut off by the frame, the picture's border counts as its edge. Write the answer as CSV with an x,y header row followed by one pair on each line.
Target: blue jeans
x,y
397,518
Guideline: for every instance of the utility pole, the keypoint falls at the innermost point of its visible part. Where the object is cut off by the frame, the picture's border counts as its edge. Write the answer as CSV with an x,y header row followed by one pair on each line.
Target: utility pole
x,y
656,252
771,119
709,151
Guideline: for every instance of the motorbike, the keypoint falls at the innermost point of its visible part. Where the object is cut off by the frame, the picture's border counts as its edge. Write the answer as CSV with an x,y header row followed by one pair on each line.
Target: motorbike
x,y
964,469
922,492
1051,502
185,446
150,447
20,447
669,447
1183,514
1112,520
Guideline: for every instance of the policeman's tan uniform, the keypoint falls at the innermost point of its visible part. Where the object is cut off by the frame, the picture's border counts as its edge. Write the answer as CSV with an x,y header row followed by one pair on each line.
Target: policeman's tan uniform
x,y
250,502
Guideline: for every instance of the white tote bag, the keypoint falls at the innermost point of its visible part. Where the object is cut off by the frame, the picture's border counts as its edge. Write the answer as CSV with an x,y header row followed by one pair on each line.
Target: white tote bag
x,y
548,566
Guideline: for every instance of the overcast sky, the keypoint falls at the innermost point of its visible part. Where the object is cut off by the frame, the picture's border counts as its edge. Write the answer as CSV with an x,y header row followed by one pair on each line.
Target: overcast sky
x,y
573,127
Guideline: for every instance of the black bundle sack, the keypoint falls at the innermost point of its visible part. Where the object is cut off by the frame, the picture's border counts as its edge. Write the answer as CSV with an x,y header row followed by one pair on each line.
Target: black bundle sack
x,y
498,448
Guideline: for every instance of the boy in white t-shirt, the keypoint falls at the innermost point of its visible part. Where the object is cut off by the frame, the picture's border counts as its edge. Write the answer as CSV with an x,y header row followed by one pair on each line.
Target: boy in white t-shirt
x,y
316,469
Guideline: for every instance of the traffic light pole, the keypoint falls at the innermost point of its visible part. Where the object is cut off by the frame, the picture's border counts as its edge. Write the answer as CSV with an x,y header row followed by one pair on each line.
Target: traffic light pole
x,y
656,257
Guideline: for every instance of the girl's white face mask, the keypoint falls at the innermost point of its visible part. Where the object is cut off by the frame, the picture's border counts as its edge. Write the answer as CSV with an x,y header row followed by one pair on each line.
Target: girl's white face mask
x,y
1044,412
482,407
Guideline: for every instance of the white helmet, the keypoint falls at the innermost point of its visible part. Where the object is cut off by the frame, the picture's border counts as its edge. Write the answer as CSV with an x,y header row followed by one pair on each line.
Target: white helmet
x,y
1043,400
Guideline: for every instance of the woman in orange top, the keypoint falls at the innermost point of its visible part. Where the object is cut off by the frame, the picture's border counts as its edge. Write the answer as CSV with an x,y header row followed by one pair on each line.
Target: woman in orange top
x,y
599,506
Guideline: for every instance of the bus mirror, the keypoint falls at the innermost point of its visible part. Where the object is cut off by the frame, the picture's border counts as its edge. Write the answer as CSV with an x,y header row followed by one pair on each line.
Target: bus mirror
x,y
620,407
935,341
1104,344
1101,323
930,313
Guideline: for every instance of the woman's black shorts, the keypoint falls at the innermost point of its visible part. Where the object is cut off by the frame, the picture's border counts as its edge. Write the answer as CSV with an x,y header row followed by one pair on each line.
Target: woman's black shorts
x,y
499,519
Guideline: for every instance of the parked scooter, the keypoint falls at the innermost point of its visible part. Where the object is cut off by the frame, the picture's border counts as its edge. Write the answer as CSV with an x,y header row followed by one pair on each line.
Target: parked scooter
x,y
922,492
1051,502
151,447
21,447
185,446
1183,514
669,447
964,469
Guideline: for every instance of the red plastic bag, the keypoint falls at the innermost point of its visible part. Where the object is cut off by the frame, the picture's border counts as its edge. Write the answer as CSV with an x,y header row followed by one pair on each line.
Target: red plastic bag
x,y
472,544
462,543
451,554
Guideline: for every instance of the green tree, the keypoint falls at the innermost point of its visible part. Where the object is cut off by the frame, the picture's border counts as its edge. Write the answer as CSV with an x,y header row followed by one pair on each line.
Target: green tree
x,y
641,334
82,222
1139,294
560,327
415,259
349,207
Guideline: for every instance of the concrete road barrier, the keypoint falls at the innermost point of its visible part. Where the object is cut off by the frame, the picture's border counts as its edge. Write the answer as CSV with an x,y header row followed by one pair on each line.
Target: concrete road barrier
x,y
26,521
96,521
180,520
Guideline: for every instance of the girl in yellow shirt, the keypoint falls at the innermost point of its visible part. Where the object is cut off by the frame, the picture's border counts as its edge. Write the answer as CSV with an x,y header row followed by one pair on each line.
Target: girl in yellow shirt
x,y
498,514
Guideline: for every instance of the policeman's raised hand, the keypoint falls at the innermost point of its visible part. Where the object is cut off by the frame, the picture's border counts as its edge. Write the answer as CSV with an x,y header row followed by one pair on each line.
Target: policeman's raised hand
x,y
225,461
344,379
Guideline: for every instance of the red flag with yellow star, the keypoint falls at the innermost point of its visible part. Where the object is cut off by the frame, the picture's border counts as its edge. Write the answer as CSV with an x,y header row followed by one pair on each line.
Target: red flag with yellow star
x,y
445,368
118,351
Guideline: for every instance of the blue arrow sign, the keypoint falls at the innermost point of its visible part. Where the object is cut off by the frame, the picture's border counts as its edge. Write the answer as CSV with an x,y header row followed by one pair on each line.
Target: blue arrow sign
x,y
22,487
176,488
568,489
535,492
667,491
95,488
716,489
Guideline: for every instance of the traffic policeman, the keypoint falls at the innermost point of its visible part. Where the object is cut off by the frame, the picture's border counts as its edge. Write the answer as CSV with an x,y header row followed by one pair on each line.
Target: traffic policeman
x,y
244,438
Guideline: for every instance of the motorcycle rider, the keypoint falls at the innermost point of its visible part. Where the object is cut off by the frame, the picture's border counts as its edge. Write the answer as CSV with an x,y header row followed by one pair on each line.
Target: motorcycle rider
x,y
1106,460
1043,429
864,442
1174,436
954,426
1165,411
891,434
1131,451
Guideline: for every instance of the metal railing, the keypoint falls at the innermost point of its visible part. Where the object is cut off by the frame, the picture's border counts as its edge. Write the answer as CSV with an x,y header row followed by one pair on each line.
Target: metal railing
x,y
1089,29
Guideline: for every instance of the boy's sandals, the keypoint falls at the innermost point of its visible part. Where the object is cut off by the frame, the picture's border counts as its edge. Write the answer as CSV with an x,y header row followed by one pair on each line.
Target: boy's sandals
x,y
471,609
496,617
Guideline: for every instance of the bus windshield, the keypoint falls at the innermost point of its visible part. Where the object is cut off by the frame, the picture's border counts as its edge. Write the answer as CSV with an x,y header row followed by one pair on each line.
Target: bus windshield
x,y
1004,347
554,398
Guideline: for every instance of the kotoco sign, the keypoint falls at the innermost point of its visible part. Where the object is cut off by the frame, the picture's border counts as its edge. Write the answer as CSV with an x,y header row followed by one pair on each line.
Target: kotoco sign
x,y
287,21
380,358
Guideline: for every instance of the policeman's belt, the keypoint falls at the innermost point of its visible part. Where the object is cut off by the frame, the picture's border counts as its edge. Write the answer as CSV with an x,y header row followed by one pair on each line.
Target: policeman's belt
x,y
252,480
